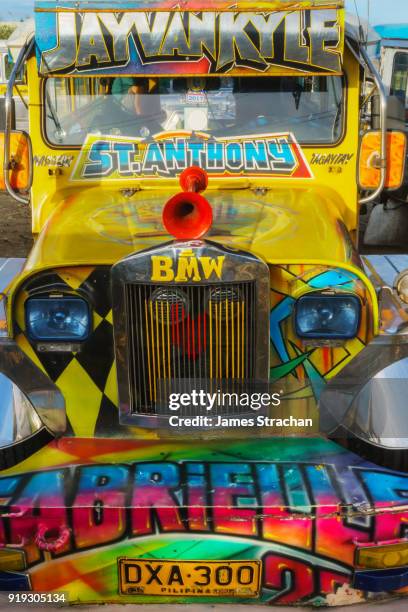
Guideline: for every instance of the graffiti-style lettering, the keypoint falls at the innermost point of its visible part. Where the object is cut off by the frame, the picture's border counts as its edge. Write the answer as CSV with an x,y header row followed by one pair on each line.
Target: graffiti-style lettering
x,y
160,41
269,155
291,513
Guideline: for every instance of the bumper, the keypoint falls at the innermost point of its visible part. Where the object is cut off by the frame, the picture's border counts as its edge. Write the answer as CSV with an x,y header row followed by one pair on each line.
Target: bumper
x,y
365,404
32,410
300,506
381,581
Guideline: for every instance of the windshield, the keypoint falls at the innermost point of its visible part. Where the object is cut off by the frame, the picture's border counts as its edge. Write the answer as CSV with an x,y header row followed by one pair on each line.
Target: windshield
x,y
308,107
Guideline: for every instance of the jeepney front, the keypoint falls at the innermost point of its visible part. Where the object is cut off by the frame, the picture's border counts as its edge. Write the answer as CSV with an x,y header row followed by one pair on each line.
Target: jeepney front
x,y
110,321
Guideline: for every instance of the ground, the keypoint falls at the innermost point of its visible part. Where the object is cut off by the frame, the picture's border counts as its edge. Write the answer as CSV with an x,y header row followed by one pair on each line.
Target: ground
x,y
15,235
393,606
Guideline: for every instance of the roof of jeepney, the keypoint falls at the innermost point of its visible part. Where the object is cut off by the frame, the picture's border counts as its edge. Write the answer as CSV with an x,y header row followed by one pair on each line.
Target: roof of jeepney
x,y
393,31
191,5
393,35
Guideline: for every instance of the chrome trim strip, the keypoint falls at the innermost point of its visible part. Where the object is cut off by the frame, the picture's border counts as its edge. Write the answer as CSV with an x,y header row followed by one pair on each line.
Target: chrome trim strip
x,y
367,63
45,397
341,401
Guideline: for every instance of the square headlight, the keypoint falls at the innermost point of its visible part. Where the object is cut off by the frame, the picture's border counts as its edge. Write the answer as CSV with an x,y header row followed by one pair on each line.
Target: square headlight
x,y
63,319
320,316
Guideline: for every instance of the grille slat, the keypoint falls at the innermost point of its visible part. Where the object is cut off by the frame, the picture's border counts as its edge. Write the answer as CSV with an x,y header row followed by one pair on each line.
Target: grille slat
x,y
187,332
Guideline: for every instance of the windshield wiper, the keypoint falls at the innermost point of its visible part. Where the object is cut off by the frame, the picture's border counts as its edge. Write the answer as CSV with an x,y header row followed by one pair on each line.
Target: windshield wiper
x,y
297,94
53,116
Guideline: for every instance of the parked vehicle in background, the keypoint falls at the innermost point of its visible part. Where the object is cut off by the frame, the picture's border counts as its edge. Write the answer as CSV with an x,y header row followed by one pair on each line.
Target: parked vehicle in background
x,y
9,50
392,51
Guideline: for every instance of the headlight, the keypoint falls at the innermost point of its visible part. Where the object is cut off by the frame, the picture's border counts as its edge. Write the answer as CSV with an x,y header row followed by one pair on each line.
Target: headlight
x,y
327,316
401,285
52,319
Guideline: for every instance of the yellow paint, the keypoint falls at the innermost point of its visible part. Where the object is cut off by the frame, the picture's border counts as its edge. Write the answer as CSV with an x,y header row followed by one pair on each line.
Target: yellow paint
x,y
227,343
168,339
26,347
219,307
243,339
12,560
238,341
187,268
188,574
148,353
297,226
383,556
151,336
232,340
212,267
85,416
162,269
49,191
292,281
210,324
74,277
111,389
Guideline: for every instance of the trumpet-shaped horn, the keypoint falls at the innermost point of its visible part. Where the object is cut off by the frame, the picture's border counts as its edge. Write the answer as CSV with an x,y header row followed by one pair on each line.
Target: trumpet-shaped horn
x,y
194,179
188,215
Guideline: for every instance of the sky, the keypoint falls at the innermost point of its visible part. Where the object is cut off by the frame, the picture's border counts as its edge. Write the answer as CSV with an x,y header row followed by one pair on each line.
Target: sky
x,y
381,11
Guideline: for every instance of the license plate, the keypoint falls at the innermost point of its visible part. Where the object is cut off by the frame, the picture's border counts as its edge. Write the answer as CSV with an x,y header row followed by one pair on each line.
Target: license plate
x,y
189,578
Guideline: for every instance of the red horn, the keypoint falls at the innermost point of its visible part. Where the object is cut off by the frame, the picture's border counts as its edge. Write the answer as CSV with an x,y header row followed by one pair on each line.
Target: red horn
x,y
194,179
188,215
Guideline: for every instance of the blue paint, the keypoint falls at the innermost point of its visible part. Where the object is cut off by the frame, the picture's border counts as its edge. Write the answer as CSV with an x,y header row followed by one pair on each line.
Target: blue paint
x,y
281,312
379,581
12,581
332,278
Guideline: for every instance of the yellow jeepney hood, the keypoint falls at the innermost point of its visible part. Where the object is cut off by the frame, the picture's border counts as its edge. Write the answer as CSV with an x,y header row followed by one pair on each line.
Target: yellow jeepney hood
x,y
290,224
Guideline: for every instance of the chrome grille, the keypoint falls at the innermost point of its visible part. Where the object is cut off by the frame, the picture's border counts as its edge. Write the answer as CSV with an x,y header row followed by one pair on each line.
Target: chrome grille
x,y
187,332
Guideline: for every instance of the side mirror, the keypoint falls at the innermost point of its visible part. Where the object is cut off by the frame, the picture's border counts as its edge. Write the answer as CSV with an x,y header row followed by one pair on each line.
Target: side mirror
x,y
19,169
3,114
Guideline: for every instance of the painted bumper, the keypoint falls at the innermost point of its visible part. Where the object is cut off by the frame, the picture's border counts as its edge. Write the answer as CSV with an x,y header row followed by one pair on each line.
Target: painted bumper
x,y
379,581
300,506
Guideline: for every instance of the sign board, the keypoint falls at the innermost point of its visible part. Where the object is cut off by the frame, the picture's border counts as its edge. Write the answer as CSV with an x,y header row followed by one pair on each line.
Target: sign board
x,y
282,38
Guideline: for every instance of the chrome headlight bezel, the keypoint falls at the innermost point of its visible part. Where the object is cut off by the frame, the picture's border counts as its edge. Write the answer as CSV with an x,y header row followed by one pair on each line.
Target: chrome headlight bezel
x,y
401,286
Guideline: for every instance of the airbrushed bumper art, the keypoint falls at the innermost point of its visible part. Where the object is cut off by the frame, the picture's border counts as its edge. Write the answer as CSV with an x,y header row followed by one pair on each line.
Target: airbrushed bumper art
x,y
271,502
193,179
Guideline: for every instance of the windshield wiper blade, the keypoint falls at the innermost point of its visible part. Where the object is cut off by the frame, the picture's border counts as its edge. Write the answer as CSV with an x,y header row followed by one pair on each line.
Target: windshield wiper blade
x,y
52,110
